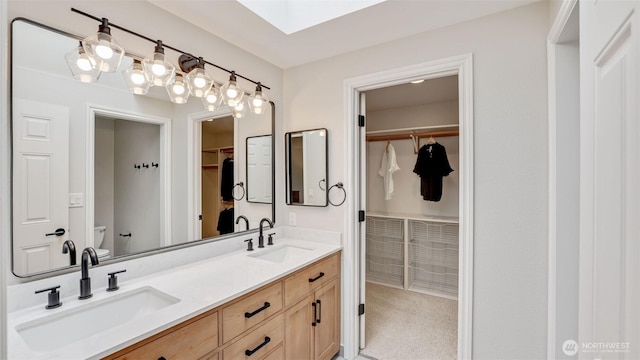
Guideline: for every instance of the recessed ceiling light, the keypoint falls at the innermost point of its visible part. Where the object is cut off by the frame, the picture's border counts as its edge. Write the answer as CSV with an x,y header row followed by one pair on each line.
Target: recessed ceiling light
x,y
290,16
417,81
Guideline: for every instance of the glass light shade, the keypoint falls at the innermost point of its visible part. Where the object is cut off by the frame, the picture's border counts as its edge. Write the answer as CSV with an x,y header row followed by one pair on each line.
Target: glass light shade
x,y
137,79
232,94
212,100
239,110
178,90
82,66
104,49
258,101
198,80
159,69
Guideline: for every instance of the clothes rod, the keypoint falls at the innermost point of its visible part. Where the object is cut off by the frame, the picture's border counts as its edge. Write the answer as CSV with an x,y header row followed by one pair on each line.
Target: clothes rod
x,y
416,135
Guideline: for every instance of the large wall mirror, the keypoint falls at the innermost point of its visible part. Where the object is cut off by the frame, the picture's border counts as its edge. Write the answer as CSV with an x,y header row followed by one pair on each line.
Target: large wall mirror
x,y
95,165
306,167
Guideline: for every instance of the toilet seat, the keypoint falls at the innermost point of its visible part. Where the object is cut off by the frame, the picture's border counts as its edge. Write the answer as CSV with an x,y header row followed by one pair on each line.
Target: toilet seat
x,y
102,253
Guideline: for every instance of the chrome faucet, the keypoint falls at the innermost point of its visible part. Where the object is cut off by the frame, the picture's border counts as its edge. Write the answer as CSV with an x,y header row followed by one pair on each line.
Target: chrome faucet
x,y
85,280
69,247
246,221
261,237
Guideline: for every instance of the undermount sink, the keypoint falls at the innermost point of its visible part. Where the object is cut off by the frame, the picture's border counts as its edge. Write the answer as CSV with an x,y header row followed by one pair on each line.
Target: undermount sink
x,y
282,254
65,327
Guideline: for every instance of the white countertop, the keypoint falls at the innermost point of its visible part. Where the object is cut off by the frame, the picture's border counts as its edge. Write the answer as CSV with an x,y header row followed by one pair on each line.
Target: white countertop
x,y
199,286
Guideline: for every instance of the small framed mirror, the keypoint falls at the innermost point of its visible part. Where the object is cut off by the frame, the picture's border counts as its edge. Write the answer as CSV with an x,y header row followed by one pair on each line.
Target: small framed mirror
x,y
259,169
306,167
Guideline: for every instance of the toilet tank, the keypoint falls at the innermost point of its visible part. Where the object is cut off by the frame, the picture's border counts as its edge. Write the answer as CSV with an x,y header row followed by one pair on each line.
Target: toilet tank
x,y
98,235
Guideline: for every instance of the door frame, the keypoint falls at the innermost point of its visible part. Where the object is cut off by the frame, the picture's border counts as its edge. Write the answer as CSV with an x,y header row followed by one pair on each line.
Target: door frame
x,y
557,100
165,169
462,66
194,166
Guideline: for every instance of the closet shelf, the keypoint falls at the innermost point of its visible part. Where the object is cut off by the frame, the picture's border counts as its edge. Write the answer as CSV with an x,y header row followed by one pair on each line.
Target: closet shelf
x,y
210,166
402,216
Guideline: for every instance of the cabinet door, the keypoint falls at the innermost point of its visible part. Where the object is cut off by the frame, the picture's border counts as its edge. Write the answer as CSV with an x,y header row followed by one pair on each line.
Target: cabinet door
x,y
299,331
327,330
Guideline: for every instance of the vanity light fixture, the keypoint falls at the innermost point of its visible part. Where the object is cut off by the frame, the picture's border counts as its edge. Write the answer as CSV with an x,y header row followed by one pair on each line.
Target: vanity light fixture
x,y
104,49
258,101
105,55
239,110
136,78
159,69
82,66
178,91
198,80
212,100
232,93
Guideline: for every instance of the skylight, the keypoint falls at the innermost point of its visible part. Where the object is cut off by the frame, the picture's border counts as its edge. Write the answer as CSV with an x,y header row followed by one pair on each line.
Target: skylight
x,y
290,16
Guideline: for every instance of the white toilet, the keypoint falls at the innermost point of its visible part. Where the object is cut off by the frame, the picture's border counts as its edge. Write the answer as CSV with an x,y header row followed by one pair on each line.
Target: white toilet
x,y
98,237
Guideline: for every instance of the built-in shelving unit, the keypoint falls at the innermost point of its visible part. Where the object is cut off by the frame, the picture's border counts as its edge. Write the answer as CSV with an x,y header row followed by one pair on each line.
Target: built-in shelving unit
x,y
413,252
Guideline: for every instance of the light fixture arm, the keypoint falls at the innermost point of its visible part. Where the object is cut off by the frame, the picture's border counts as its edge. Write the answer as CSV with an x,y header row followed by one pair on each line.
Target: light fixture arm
x,y
106,22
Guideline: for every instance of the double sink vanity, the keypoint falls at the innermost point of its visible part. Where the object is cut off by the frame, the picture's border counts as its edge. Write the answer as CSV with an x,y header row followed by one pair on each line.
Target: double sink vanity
x,y
276,302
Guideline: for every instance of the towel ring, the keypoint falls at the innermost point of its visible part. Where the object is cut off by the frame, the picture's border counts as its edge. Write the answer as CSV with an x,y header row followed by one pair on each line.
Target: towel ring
x,y
341,187
241,184
320,184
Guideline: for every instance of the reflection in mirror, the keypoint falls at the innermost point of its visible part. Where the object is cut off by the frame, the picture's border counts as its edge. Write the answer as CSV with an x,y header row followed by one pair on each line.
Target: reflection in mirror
x,y
306,166
94,165
259,164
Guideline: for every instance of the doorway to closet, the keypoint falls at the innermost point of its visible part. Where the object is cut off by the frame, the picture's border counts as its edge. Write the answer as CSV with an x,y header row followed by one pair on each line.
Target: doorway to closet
x,y
412,220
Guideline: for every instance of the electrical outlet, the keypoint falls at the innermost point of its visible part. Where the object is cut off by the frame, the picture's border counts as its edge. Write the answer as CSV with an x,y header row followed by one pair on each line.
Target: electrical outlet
x,y
292,219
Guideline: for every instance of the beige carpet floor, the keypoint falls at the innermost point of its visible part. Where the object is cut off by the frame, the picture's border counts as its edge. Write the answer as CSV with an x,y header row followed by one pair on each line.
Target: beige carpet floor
x,y
405,325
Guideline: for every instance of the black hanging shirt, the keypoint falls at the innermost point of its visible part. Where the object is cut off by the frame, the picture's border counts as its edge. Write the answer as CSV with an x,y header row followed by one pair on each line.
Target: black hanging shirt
x,y
431,166
226,180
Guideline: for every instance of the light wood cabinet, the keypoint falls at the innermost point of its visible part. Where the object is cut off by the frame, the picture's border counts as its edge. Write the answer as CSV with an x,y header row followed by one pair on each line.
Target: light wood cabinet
x,y
258,343
312,326
250,310
296,317
193,339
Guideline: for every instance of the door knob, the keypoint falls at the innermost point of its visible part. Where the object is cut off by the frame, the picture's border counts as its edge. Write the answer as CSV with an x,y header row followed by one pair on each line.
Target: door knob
x,y
58,232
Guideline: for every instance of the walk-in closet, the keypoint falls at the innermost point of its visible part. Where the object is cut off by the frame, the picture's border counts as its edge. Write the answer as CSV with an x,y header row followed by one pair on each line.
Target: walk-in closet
x,y
412,220
217,177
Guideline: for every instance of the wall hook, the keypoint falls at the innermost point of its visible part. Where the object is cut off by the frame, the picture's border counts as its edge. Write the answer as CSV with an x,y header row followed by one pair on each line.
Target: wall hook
x,y
136,166
155,165
146,166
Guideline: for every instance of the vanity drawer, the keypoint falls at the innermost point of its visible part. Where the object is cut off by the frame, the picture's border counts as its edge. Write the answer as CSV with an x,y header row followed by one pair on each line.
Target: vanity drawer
x,y
191,341
311,278
278,354
250,310
256,341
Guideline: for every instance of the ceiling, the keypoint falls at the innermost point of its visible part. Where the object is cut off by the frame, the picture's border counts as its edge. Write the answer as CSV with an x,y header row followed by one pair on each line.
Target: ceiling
x,y
383,22
405,95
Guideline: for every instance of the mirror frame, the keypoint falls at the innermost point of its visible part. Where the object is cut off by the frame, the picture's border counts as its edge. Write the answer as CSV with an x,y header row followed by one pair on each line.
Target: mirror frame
x,y
131,256
288,175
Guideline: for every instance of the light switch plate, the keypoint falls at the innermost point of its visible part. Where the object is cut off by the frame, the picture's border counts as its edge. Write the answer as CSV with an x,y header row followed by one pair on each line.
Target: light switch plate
x,y
76,200
292,219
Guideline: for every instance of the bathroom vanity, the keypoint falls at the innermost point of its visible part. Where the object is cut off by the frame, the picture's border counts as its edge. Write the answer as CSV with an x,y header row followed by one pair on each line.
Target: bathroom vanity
x,y
276,302
294,317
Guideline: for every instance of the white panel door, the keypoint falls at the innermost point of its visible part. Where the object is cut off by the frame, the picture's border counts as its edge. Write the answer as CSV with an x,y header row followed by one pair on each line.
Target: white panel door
x,y
610,186
259,170
40,185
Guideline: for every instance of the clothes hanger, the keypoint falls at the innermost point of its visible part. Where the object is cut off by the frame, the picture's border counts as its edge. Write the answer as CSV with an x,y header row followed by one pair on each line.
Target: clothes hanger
x,y
388,143
431,140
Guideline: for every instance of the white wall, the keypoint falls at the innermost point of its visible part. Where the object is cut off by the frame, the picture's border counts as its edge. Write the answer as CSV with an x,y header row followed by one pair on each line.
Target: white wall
x,y
510,115
137,191
5,184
